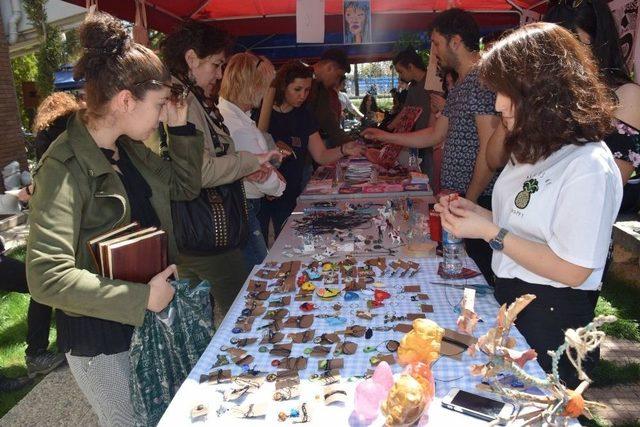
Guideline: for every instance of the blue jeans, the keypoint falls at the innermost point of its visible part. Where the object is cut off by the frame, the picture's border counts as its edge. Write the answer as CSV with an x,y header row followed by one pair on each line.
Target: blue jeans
x,y
256,249
278,211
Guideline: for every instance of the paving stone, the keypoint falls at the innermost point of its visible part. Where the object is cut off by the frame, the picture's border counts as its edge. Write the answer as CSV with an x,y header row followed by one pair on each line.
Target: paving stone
x,y
55,401
622,401
620,351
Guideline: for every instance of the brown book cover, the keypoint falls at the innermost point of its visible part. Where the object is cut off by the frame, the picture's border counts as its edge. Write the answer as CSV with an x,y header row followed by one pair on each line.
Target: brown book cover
x,y
92,244
137,259
104,245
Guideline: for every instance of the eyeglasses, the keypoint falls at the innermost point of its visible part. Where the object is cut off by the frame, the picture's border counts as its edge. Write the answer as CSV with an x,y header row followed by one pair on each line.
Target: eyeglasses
x,y
572,3
178,91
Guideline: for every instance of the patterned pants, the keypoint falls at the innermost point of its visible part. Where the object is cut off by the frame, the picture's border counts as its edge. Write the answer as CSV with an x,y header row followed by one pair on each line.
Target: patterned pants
x,y
104,381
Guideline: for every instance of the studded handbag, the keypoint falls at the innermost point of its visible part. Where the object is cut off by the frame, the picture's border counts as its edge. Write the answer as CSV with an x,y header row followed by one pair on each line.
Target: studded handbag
x,y
217,220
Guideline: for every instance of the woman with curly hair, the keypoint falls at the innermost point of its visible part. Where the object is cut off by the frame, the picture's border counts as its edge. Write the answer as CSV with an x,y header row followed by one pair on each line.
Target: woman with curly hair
x,y
51,119
195,54
557,198
592,23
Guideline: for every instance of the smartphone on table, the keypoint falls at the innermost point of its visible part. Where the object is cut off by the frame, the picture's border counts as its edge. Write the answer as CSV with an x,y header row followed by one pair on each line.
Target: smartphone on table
x,y
477,406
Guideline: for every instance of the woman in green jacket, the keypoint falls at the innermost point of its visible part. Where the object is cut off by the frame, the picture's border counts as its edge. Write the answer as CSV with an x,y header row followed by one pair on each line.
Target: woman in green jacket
x,y
95,177
195,54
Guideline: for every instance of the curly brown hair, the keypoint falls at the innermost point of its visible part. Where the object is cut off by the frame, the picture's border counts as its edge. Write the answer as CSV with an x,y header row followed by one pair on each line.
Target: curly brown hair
x,y
286,75
204,39
554,84
56,105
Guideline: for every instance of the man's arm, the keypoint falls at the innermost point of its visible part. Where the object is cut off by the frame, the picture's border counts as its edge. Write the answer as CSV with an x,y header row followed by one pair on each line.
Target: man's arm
x,y
352,108
327,120
482,174
423,138
496,154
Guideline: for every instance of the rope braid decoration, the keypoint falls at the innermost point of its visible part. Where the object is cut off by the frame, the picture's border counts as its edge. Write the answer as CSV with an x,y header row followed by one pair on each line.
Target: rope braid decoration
x,y
558,404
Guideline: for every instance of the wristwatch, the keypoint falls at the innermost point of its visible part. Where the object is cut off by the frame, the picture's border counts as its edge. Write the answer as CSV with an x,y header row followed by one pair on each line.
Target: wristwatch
x,y
497,243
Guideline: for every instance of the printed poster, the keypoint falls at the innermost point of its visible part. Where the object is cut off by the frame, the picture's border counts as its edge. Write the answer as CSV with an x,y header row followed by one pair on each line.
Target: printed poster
x,y
357,21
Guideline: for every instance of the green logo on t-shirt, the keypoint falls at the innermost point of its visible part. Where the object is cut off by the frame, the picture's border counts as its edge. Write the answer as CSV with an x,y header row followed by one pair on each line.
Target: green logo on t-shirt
x,y
523,197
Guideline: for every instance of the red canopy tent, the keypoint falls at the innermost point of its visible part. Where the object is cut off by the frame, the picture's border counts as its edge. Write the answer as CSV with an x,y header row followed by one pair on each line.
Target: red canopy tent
x,y
258,19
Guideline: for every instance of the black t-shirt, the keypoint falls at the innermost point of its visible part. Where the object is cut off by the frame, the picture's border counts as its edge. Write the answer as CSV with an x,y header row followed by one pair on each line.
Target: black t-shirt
x,y
624,143
294,129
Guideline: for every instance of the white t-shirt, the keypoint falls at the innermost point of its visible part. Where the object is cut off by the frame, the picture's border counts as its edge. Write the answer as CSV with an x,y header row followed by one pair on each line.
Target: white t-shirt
x,y
247,137
568,201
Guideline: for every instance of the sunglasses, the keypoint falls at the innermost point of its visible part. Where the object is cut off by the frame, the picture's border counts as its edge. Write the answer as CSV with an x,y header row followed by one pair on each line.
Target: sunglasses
x,y
178,92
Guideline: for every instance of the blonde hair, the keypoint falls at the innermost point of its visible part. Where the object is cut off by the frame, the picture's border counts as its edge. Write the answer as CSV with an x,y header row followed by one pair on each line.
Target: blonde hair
x,y
54,106
246,79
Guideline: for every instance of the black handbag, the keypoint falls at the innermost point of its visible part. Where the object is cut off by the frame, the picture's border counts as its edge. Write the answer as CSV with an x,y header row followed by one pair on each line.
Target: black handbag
x,y
218,219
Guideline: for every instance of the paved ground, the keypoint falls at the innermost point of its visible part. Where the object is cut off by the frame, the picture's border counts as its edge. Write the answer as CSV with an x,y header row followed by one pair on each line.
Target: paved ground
x,y
55,401
623,400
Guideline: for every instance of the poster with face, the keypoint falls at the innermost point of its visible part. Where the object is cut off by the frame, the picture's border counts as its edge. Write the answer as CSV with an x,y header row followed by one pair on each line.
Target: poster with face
x,y
357,21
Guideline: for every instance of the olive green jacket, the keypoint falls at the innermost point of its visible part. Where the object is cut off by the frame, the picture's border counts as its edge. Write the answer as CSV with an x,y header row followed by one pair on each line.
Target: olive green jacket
x,y
78,196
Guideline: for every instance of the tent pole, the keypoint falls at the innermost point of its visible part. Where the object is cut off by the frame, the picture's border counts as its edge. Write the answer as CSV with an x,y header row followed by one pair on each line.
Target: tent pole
x,y
355,78
199,8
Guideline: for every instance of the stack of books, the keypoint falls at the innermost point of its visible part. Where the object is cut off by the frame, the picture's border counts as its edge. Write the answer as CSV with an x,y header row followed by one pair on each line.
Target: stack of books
x,y
130,253
358,171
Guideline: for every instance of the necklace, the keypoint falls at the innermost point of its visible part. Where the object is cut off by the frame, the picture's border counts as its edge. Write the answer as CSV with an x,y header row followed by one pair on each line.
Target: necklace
x,y
281,109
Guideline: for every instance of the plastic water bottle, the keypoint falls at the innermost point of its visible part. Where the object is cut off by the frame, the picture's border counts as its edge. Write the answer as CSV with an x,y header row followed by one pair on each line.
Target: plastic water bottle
x,y
452,250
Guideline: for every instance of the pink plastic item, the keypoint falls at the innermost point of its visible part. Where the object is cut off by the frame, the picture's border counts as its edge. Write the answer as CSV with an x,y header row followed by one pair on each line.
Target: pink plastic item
x,y
370,393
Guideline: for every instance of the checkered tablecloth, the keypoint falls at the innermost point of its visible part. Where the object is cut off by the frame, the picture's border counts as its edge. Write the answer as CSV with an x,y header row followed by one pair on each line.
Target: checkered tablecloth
x,y
448,373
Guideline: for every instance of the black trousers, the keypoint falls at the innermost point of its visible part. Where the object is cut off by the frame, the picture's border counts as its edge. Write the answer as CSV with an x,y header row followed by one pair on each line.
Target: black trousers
x,y
544,321
479,250
13,278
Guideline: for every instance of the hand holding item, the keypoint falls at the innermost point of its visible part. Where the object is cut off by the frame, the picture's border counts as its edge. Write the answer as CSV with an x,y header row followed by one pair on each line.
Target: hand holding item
x,y
261,175
268,156
284,149
447,200
467,223
24,195
160,290
352,148
375,134
373,155
174,111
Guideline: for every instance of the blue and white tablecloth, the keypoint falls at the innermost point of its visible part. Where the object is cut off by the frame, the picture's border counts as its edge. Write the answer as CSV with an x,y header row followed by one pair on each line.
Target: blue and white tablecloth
x,y
448,373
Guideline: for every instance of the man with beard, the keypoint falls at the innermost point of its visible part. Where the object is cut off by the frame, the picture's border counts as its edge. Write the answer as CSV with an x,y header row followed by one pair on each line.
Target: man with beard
x,y
323,100
411,69
466,124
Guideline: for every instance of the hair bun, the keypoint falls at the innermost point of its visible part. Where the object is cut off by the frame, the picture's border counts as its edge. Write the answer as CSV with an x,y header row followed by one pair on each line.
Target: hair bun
x,y
101,35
